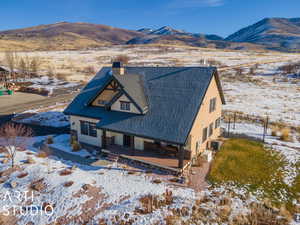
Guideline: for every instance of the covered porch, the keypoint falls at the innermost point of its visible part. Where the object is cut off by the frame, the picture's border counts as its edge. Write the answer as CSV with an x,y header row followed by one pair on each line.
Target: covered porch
x,y
153,153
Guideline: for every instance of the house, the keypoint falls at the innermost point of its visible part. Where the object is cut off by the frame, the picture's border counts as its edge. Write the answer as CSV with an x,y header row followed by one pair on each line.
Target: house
x,y
174,111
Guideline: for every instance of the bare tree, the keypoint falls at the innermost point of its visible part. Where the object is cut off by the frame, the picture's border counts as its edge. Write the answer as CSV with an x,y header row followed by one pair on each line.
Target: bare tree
x,y
35,65
11,58
14,137
47,152
121,58
238,71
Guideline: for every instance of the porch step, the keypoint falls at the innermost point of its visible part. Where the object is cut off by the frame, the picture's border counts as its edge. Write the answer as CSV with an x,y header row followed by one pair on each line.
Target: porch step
x,y
112,157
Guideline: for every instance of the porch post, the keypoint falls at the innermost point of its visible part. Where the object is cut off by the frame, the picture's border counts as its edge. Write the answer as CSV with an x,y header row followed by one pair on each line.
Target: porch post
x,y
180,157
132,145
104,145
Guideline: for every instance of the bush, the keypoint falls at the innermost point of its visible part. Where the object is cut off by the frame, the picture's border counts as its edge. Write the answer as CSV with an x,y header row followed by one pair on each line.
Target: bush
x,y
38,185
274,131
156,181
62,76
65,172
76,146
49,140
68,183
21,175
41,154
285,134
72,139
89,70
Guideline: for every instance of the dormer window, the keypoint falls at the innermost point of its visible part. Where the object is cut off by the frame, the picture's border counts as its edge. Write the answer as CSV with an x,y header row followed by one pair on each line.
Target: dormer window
x,y
102,102
125,105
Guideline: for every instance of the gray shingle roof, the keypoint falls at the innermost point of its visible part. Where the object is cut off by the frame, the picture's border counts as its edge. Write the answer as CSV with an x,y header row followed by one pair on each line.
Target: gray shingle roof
x,y
134,85
174,96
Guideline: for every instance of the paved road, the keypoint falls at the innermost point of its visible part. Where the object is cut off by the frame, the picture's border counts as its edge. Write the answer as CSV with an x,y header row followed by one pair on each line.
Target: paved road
x,y
18,108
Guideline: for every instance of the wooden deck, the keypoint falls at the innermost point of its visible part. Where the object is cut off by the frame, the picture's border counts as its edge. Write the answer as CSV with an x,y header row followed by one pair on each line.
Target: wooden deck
x,y
147,157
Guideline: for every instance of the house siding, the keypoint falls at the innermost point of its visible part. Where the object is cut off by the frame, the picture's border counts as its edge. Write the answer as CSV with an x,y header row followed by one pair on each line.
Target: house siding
x,y
116,105
204,118
75,126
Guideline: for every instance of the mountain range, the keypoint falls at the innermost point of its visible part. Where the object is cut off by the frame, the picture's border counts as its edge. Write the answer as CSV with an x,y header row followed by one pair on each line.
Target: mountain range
x,y
271,33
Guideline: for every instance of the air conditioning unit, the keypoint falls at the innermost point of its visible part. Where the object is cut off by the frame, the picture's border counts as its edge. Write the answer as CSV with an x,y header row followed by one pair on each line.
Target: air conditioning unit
x,y
215,145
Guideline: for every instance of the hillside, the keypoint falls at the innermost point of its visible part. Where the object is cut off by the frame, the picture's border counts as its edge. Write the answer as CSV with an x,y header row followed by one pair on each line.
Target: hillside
x,y
273,33
64,35
168,35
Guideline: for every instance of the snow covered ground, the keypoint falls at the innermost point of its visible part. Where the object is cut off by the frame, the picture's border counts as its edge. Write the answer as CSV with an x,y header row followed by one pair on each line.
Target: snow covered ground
x,y
89,194
47,83
50,118
62,142
279,99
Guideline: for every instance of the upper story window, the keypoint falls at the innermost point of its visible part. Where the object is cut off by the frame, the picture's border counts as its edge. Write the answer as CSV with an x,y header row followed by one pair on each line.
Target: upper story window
x,y
204,134
88,128
211,126
212,104
217,123
125,105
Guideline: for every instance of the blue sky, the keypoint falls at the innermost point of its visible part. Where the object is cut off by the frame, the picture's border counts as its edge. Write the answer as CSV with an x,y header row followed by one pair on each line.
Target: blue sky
x,y
221,17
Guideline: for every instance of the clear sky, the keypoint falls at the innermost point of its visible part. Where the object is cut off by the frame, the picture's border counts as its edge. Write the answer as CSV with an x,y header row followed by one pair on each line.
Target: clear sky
x,y
221,17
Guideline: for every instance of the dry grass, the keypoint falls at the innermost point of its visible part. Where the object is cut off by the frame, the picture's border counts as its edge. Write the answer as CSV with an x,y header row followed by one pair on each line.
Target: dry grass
x,y
38,185
285,134
151,202
246,162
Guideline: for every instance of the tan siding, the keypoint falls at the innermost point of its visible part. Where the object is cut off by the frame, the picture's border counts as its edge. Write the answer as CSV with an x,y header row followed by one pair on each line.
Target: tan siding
x,y
204,119
106,95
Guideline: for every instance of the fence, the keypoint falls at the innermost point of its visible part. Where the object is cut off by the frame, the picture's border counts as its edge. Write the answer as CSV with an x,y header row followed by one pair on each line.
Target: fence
x,y
231,118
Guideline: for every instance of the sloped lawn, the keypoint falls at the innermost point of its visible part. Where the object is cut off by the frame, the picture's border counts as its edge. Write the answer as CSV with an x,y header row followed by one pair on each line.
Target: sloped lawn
x,y
246,163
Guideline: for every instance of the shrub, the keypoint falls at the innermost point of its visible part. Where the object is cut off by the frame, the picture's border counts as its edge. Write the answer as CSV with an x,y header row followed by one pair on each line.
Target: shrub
x,y
274,131
156,181
65,172
76,146
49,140
72,139
21,175
68,183
285,134
62,76
42,154
38,185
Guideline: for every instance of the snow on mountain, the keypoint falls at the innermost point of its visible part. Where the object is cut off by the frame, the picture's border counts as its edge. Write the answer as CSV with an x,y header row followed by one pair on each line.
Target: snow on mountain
x,y
274,33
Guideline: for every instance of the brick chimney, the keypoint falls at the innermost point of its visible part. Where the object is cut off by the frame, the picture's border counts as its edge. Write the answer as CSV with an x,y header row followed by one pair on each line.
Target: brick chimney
x,y
118,68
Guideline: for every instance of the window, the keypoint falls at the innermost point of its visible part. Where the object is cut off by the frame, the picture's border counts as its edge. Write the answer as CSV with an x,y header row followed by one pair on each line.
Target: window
x,y
217,123
125,106
212,104
84,126
102,102
211,127
88,128
92,130
204,134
